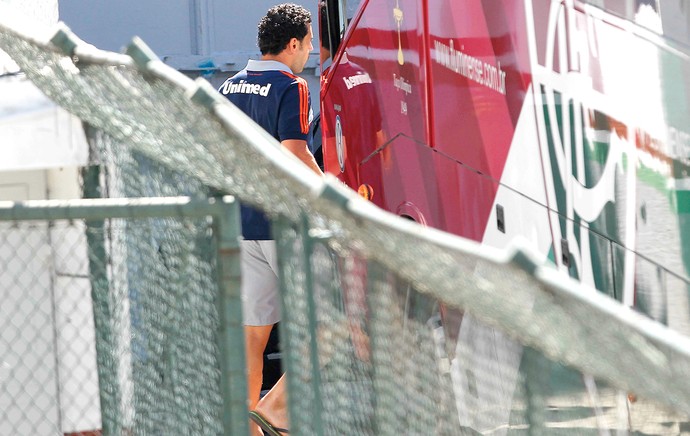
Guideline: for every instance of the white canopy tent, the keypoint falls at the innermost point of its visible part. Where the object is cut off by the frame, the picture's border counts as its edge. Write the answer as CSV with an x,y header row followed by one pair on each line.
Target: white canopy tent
x,y
40,142
36,134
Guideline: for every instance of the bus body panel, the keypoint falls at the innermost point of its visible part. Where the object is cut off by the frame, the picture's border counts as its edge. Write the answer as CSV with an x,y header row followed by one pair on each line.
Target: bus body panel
x,y
568,119
560,123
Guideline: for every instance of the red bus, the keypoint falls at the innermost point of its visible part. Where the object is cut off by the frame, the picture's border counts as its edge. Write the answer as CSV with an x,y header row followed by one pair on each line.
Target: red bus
x,y
564,123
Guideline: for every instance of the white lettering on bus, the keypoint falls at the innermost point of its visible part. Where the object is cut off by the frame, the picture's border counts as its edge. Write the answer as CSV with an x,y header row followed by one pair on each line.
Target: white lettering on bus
x,y
356,80
679,142
403,85
493,77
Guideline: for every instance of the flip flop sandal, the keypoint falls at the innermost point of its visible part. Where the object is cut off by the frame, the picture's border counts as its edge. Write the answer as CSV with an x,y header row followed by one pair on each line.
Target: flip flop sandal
x,y
266,426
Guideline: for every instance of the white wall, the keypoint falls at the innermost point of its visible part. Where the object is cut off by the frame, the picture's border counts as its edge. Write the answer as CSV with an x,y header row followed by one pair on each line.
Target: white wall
x,y
186,34
170,27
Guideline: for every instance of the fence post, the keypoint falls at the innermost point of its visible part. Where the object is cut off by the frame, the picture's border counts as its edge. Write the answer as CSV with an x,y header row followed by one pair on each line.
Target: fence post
x,y
298,325
307,250
231,335
382,350
108,382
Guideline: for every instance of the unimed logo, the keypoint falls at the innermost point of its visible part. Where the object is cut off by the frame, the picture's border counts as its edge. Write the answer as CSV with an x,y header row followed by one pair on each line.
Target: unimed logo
x,y
242,87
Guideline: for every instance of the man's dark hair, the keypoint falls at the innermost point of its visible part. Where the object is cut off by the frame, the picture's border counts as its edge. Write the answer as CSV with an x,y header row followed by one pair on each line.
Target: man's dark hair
x,y
323,26
281,24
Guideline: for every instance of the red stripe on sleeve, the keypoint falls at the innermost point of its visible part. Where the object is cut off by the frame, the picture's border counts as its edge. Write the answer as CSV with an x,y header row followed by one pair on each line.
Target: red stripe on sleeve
x,y
304,105
303,102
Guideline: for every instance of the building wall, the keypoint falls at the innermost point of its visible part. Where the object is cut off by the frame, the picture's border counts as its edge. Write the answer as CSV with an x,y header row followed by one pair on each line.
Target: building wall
x,y
211,38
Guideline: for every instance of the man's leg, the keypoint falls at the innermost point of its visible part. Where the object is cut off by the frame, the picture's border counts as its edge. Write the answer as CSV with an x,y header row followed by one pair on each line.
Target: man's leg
x,y
276,396
260,307
261,310
273,406
256,338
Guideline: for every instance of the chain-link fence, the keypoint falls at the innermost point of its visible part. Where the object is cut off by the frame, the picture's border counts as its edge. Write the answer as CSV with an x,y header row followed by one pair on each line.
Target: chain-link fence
x,y
112,324
46,310
110,317
369,353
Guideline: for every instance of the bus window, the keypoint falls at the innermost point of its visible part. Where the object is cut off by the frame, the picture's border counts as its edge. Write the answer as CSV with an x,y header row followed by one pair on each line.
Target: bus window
x,y
334,16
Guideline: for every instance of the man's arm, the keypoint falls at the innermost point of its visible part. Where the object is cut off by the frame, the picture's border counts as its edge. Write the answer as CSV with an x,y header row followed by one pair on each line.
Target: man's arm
x,y
299,148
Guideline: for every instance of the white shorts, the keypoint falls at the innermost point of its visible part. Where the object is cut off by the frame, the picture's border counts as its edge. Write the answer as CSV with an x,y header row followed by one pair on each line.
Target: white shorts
x,y
260,294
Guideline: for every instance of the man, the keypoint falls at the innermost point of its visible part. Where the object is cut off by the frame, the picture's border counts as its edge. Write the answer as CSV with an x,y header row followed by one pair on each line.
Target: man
x,y
350,116
269,91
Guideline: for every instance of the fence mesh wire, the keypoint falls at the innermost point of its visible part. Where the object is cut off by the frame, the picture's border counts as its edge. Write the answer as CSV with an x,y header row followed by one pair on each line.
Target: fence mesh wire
x,y
29,372
389,328
171,286
389,359
153,322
